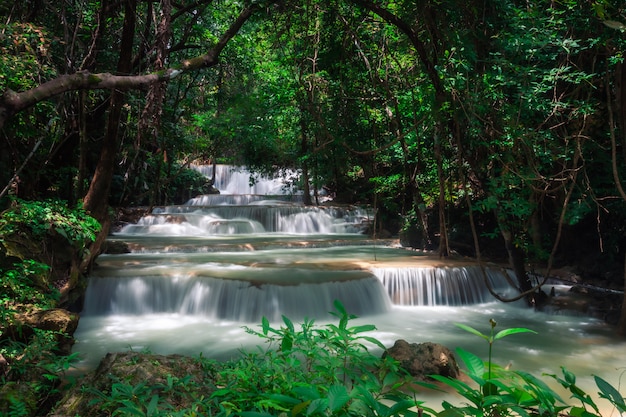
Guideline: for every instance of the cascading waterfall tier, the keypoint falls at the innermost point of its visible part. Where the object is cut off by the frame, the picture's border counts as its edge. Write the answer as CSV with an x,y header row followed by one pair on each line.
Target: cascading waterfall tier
x,y
450,286
226,220
240,181
257,255
244,300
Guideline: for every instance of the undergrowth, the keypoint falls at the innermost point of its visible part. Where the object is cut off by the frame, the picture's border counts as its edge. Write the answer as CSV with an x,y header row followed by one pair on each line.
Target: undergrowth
x,y
328,370
31,368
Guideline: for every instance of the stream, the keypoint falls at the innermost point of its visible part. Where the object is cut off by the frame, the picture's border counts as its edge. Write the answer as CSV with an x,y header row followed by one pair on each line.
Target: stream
x,y
199,272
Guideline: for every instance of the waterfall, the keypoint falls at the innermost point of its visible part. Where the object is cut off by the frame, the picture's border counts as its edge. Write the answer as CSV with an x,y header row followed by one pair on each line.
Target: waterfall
x,y
192,220
197,273
237,299
451,286
239,180
270,228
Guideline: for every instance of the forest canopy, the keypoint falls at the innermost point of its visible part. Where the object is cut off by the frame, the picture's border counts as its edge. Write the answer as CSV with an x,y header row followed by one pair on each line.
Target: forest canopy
x,y
463,123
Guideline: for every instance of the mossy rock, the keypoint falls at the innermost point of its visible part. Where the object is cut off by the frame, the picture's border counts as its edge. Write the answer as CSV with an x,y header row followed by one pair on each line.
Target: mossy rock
x,y
149,375
17,399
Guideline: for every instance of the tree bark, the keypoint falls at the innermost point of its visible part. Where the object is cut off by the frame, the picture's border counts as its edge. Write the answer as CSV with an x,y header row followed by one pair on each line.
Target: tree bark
x,y
518,263
621,324
97,197
304,150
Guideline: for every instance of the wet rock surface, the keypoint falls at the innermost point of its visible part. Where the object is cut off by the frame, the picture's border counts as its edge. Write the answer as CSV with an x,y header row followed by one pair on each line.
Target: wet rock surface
x,y
423,359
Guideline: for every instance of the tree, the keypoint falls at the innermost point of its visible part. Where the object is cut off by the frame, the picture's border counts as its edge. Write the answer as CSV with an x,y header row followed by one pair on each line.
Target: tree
x,y
11,102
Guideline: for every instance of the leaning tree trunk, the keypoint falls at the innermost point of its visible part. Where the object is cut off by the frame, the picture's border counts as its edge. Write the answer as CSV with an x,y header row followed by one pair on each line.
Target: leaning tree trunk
x,y
96,202
517,262
304,149
621,324
444,249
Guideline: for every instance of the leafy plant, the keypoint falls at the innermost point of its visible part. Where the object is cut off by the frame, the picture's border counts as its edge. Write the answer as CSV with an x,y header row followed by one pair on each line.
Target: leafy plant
x,y
21,285
41,217
316,371
502,392
307,371
36,372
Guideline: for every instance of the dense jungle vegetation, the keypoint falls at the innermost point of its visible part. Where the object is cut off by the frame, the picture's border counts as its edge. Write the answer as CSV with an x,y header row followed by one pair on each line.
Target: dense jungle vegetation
x,y
494,128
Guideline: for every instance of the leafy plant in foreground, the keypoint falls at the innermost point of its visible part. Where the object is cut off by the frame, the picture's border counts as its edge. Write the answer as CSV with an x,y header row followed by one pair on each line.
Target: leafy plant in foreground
x,y
307,371
315,371
311,370
502,392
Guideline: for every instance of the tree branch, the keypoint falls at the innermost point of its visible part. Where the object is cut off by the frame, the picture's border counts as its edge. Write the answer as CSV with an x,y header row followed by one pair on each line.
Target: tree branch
x,y
12,102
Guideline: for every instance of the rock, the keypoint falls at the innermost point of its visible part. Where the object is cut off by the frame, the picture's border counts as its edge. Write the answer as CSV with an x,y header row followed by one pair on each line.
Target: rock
x,y
4,366
153,373
57,320
423,359
16,396
114,247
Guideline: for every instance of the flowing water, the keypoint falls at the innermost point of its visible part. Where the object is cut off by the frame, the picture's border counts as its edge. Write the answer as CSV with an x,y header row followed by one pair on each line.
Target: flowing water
x,y
200,272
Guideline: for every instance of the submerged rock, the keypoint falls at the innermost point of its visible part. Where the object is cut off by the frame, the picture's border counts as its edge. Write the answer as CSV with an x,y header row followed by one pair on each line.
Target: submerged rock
x,y
423,359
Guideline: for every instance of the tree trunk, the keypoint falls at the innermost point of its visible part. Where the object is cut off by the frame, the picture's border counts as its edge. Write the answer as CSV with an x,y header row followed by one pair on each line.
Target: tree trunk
x,y
444,249
97,198
517,262
304,145
621,325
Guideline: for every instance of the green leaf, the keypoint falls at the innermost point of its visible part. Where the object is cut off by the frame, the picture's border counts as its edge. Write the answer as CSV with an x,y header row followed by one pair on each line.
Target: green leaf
x,y
265,324
288,323
374,341
284,399
153,405
609,392
541,389
317,406
307,392
570,378
364,395
287,343
471,330
221,392
459,386
340,308
363,328
337,397
507,332
475,365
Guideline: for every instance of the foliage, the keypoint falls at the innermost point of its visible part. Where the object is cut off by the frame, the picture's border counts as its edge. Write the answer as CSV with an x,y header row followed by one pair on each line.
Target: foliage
x,y
42,217
328,370
502,392
319,371
310,371
22,285
35,369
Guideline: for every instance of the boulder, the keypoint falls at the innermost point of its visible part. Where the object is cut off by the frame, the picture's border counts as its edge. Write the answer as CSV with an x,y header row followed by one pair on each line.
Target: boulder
x,y
421,360
151,375
17,396
114,247
60,321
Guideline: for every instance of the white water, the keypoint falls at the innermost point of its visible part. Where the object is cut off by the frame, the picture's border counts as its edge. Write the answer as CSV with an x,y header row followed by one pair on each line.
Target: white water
x,y
199,273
